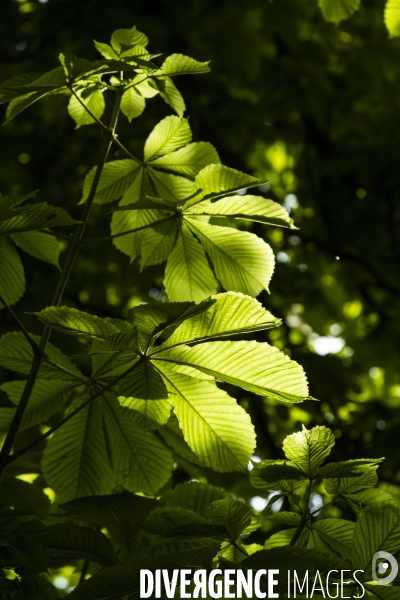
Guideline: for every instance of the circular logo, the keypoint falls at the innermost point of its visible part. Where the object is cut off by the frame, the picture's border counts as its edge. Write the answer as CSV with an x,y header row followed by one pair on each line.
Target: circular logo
x,y
388,565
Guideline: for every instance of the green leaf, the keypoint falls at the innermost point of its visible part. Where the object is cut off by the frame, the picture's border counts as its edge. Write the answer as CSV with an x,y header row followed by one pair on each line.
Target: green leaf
x,y
132,103
117,176
123,341
105,50
194,496
348,485
178,64
168,135
12,278
332,536
377,529
308,449
122,515
277,497
283,538
91,98
68,542
337,10
242,261
143,383
187,275
147,415
392,17
170,94
224,444
346,468
285,518
16,354
172,434
40,245
144,393
251,208
157,243
132,219
235,515
189,160
127,37
48,81
170,188
217,180
25,89
143,85
75,461
164,521
73,66
152,320
19,104
259,368
16,86
29,217
229,314
47,398
276,475
140,461
369,496
75,322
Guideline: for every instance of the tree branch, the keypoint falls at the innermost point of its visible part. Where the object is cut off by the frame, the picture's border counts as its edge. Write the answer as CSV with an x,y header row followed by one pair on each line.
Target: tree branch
x,y
69,263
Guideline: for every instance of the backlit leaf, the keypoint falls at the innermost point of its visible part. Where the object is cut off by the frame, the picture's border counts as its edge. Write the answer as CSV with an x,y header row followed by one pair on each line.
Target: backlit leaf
x,y
308,449
337,10
225,444
392,17
187,275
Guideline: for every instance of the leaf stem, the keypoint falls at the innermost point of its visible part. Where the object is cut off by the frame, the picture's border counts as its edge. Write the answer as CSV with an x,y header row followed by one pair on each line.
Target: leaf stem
x,y
304,519
69,263
85,568
26,334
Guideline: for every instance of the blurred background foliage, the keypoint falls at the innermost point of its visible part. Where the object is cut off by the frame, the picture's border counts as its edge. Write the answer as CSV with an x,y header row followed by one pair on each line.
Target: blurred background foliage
x,y
310,106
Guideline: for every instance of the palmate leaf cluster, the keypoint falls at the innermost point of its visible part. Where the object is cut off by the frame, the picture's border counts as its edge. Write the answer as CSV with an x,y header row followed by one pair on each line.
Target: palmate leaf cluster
x,y
197,525
127,54
164,357
170,198
143,394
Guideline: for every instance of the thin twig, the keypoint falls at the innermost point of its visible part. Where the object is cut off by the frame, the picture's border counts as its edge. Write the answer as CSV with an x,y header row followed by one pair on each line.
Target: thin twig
x,y
304,518
35,347
104,126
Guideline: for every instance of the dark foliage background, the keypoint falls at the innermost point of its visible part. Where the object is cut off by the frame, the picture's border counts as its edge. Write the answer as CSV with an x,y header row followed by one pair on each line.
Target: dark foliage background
x,y
314,108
